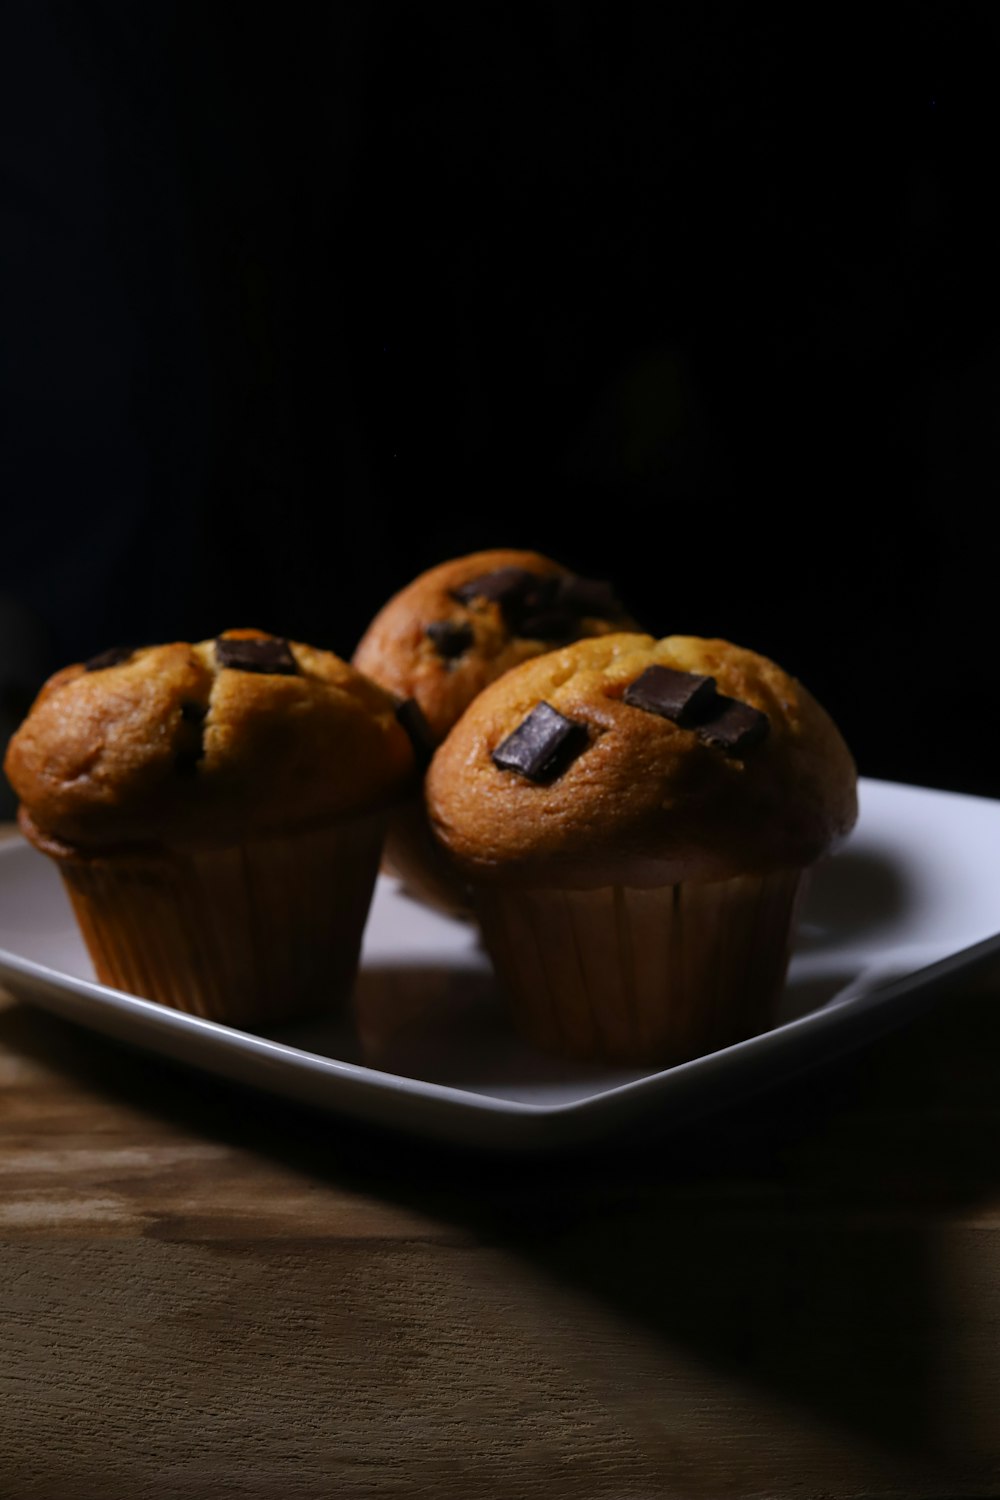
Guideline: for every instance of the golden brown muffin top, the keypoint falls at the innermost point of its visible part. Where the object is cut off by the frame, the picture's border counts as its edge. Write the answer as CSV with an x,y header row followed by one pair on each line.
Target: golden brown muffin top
x,y
189,743
630,796
442,639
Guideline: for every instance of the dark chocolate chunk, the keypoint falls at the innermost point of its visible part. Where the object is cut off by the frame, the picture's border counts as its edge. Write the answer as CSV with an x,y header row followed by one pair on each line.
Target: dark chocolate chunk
x,y
593,597
450,637
550,625
545,607
410,716
560,607
537,597
520,594
273,655
736,728
508,587
693,702
542,745
554,611
109,658
684,697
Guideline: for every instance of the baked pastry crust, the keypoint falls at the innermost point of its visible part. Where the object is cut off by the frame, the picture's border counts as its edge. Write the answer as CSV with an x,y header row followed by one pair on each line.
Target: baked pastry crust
x,y
647,803
170,746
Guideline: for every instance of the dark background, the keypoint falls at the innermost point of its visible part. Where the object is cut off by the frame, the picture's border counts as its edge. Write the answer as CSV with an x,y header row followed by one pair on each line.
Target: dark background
x,y
701,297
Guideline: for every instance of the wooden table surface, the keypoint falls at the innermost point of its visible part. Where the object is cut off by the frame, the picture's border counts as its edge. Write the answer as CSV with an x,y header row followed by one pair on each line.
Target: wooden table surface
x,y
208,1293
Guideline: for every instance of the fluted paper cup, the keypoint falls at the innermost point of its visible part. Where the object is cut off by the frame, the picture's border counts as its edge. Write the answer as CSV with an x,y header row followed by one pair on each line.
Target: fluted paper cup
x,y
646,976
248,934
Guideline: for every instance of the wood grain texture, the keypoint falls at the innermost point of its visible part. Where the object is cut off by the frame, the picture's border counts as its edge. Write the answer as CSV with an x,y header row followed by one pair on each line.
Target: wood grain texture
x,y
207,1293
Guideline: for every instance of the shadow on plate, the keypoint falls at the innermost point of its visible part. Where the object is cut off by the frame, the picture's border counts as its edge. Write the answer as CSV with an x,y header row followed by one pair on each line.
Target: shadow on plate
x,y
449,1025
852,896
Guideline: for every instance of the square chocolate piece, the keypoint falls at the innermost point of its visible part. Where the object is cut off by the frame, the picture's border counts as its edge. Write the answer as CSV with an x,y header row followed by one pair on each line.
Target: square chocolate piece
x,y
683,697
737,727
542,745
272,655
508,587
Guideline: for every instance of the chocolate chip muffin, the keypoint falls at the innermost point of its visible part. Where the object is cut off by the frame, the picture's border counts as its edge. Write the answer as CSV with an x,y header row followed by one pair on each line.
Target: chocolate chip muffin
x,y
449,634
217,812
634,818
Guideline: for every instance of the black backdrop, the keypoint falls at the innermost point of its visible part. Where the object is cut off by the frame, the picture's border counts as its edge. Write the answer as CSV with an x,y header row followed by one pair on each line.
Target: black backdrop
x,y
701,297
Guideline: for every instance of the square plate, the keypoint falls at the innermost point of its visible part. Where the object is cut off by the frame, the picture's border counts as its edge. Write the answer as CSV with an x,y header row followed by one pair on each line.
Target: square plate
x,y
909,906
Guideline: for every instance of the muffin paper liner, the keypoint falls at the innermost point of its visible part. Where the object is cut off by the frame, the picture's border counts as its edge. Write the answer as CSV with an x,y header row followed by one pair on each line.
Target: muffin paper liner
x,y
249,934
643,976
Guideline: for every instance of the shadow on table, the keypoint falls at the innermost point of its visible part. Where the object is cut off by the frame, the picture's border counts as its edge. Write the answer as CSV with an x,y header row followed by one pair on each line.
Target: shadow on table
x,y
789,1243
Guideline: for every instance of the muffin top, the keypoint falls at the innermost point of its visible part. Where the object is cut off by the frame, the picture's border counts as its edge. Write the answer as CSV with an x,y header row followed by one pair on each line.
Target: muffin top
x,y
626,760
461,625
187,743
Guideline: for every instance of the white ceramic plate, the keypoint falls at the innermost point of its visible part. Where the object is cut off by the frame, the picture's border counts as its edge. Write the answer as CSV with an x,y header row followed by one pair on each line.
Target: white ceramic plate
x,y
909,908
